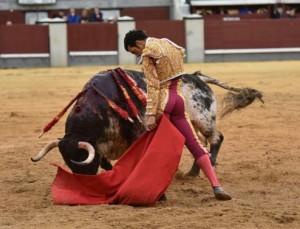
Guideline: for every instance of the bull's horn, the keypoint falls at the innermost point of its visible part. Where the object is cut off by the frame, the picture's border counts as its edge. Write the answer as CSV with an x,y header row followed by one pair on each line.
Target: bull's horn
x,y
88,147
45,150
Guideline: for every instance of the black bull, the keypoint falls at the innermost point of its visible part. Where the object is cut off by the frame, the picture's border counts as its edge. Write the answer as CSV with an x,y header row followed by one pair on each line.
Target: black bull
x,y
93,128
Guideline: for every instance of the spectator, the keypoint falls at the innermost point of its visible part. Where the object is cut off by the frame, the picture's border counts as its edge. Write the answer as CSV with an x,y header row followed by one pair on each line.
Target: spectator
x,y
244,10
261,10
84,17
275,13
291,12
223,11
73,16
96,16
61,14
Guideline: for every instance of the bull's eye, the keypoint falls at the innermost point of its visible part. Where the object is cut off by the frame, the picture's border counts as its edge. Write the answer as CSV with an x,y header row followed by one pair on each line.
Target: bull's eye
x,y
77,109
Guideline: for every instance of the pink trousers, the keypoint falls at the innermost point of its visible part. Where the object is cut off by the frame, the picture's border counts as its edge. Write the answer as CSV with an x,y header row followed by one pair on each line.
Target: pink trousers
x,y
175,111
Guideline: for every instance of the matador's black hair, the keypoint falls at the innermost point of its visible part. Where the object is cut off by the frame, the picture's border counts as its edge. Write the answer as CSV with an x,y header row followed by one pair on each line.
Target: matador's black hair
x,y
132,36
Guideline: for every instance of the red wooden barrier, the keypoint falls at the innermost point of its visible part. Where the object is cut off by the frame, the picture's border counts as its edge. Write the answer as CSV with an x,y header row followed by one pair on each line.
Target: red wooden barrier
x,y
92,37
268,33
173,30
16,17
24,39
147,13
244,34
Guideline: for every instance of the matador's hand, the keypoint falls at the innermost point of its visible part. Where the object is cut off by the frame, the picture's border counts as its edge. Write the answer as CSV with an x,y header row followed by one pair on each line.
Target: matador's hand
x,y
151,122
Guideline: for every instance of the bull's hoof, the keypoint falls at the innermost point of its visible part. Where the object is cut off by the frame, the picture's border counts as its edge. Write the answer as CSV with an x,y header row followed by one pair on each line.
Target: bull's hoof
x,y
163,198
221,194
193,173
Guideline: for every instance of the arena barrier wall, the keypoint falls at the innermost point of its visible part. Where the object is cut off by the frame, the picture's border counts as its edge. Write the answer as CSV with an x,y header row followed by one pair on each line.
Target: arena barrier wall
x,y
256,39
157,28
101,44
147,13
93,44
15,17
24,45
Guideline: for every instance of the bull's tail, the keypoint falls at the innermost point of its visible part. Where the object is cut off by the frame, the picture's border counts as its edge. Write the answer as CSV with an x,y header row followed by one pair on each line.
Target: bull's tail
x,y
236,98
211,80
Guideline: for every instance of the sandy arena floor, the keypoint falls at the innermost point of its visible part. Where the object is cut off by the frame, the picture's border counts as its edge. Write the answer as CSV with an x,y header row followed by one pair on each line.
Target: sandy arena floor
x,y
258,162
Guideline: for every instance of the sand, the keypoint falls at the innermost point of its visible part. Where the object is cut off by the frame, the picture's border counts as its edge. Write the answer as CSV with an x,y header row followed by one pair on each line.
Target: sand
x,y
258,162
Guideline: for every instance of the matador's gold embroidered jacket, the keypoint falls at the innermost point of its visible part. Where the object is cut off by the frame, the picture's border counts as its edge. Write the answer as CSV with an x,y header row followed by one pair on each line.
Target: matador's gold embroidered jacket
x,y
162,60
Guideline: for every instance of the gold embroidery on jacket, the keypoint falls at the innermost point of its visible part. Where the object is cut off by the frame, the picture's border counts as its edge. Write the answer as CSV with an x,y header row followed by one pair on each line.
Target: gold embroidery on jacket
x,y
161,60
163,100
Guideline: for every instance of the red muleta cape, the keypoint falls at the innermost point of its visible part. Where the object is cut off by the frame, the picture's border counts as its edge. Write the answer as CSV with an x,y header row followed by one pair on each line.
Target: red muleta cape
x,y
139,177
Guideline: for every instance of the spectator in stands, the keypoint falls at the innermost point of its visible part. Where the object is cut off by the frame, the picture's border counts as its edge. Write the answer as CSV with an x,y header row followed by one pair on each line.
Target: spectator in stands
x,y
223,11
73,16
275,13
291,12
96,16
261,10
244,10
204,12
61,14
84,17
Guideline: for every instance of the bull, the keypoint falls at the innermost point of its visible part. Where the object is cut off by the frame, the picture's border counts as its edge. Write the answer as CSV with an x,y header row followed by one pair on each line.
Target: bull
x,y
95,134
